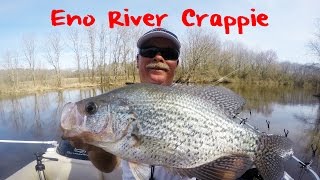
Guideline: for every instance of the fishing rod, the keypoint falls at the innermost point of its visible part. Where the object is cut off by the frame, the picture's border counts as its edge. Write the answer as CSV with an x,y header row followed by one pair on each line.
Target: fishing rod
x,y
306,166
221,79
54,143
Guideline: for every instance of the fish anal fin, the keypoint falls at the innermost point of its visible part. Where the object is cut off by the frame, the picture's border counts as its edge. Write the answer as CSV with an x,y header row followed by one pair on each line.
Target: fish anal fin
x,y
273,151
139,171
271,170
226,168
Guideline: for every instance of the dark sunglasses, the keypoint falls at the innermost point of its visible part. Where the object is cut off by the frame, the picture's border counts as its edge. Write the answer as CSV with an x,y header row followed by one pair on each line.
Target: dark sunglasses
x,y
166,53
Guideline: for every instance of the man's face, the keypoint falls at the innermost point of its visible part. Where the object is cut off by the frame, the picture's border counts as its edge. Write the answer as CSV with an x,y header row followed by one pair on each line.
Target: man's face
x,y
157,70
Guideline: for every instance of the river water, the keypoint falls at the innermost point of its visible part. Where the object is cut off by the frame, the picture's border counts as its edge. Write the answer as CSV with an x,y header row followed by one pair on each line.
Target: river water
x,y
36,117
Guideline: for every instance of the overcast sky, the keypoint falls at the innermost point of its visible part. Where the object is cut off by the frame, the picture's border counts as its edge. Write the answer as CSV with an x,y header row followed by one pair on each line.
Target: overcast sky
x,y
291,22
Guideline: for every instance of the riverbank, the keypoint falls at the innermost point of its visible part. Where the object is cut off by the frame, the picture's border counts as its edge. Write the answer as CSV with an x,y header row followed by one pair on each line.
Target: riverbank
x,y
25,88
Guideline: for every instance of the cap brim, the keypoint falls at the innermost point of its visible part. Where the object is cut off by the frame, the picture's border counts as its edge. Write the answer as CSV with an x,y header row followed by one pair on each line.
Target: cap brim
x,y
155,34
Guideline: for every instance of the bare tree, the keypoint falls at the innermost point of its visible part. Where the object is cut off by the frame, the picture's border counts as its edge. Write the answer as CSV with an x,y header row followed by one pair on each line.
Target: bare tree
x,y
102,53
29,53
265,61
12,64
314,45
16,70
74,37
92,49
198,52
128,39
53,54
127,45
115,39
236,60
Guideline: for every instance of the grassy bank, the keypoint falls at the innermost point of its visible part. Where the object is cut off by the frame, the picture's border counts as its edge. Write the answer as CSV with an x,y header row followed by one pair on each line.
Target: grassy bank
x,y
28,87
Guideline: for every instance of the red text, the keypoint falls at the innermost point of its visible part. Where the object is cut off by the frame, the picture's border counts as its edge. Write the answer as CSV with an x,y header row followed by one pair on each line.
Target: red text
x,y
57,19
116,18
191,18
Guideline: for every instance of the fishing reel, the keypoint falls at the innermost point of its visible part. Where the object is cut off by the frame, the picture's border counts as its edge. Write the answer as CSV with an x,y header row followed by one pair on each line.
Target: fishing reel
x,y
40,167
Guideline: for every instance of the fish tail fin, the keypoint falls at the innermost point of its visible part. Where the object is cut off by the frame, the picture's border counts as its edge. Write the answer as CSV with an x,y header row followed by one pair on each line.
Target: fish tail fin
x,y
272,151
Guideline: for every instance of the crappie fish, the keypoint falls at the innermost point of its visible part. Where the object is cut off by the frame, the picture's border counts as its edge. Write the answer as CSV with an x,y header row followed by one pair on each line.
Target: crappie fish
x,y
189,130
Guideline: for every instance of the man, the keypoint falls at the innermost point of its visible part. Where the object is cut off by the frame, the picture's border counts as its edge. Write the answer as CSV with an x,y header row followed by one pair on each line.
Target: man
x,y
157,60
158,56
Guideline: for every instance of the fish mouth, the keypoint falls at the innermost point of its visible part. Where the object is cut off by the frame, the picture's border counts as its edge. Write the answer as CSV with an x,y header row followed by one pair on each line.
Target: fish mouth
x,y
72,122
158,66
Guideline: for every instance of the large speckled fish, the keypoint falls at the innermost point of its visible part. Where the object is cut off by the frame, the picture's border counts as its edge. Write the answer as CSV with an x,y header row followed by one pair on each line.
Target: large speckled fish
x,y
187,129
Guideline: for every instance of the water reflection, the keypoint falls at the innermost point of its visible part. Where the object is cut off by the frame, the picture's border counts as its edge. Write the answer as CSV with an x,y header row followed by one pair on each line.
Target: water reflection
x,y
314,136
292,110
32,117
38,124
261,99
16,115
36,117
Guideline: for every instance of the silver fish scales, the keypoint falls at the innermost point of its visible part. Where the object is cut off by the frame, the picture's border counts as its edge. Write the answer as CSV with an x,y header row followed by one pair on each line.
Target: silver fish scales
x,y
187,129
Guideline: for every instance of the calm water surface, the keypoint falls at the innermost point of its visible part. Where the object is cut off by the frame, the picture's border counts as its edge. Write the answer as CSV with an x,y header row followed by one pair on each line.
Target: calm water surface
x,y
36,117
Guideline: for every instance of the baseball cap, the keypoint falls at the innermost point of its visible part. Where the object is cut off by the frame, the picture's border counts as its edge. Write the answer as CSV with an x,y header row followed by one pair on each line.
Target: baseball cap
x,y
159,32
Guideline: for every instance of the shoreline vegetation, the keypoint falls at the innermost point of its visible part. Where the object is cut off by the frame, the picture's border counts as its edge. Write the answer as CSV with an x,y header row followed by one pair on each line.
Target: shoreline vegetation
x,y
80,58
27,88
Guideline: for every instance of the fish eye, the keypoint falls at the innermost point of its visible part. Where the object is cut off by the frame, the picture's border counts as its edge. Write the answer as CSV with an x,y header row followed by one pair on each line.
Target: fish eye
x,y
91,107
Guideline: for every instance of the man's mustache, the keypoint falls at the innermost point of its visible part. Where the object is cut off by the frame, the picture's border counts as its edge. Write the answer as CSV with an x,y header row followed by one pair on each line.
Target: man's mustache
x,y
158,65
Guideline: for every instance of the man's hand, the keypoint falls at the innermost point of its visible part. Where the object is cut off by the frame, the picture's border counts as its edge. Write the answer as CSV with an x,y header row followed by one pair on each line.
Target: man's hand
x,y
101,159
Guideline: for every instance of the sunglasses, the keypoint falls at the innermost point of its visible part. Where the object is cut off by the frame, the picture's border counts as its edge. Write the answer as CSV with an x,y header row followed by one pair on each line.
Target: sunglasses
x,y
166,53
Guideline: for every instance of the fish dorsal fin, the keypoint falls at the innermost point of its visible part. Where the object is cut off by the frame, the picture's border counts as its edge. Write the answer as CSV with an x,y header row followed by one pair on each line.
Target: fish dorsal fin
x,y
224,98
226,168
219,96
139,171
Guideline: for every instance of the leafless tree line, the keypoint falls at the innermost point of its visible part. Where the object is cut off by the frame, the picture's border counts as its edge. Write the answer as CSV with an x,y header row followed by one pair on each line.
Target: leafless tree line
x,y
99,56
314,46
103,56
207,59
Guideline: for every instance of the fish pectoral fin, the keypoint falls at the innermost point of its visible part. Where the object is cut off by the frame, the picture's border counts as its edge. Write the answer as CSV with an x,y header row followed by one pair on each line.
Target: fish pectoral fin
x,y
134,138
226,168
140,171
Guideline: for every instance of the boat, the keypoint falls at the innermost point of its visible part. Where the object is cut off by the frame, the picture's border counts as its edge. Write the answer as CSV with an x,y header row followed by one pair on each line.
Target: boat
x,y
52,165
60,167
64,162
